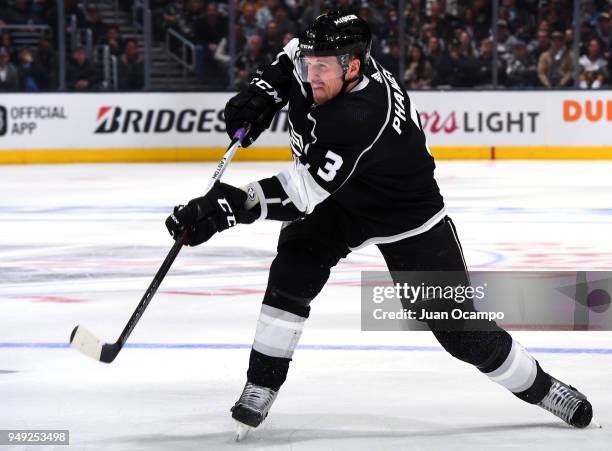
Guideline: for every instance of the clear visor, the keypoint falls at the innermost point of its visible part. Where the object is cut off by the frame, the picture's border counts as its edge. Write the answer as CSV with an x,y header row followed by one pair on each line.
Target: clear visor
x,y
320,69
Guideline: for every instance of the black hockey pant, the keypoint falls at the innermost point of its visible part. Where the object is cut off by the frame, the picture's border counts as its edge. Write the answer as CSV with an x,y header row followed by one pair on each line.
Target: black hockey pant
x,y
307,252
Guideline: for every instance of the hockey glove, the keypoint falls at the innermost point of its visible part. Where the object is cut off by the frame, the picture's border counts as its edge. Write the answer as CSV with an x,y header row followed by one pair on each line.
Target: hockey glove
x,y
251,106
220,209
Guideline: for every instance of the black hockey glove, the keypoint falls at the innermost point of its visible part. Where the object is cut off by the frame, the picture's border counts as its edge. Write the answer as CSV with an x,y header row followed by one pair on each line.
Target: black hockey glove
x,y
250,106
220,209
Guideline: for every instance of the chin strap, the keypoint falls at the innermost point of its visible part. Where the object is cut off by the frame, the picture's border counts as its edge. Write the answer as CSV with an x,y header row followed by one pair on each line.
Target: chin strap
x,y
344,62
346,83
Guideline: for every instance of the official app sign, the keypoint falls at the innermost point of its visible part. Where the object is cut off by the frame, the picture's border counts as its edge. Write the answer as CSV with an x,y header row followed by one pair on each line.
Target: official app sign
x,y
420,300
21,120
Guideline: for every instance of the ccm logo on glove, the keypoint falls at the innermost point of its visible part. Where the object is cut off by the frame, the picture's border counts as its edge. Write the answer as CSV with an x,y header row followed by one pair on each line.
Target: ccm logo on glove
x,y
231,220
222,208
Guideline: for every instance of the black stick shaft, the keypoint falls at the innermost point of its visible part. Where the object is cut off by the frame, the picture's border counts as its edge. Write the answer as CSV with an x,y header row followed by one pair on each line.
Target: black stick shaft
x,y
109,352
157,280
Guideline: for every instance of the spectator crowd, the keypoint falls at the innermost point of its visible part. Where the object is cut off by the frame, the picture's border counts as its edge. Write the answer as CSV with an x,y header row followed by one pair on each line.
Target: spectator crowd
x,y
447,43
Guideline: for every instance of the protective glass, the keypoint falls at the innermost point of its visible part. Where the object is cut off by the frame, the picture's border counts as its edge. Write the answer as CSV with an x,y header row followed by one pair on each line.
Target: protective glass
x,y
320,69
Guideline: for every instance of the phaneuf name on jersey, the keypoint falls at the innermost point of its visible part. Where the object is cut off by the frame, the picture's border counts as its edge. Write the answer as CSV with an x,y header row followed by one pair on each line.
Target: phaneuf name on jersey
x,y
399,112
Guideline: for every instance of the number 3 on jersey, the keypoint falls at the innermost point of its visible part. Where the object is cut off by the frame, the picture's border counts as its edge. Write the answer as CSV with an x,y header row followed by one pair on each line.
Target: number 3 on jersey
x,y
328,172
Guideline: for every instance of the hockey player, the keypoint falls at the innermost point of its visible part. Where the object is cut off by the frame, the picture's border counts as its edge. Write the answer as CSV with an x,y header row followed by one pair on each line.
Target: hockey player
x,y
361,174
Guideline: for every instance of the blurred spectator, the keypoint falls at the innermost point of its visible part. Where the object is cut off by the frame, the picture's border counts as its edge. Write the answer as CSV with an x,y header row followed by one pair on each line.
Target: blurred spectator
x,y
6,41
437,59
94,22
556,20
364,13
556,65
308,13
272,40
467,45
249,60
211,28
440,22
167,18
427,32
71,8
468,22
9,77
248,20
414,16
40,9
284,23
266,13
191,19
482,19
505,41
521,69
209,31
517,18
26,70
593,68
455,69
20,14
419,72
131,68
113,40
604,31
589,12
568,38
222,54
379,12
539,45
392,30
390,60
434,49
45,65
484,65
81,74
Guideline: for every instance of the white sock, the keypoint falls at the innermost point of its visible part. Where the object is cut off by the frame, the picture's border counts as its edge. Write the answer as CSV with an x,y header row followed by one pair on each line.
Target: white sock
x,y
278,332
518,372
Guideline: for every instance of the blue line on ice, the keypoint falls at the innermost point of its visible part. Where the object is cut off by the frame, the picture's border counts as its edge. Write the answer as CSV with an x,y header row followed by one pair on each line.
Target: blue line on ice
x,y
324,347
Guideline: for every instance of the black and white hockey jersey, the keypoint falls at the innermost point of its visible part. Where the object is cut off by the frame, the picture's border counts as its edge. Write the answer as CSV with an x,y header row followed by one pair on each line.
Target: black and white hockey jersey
x,y
364,150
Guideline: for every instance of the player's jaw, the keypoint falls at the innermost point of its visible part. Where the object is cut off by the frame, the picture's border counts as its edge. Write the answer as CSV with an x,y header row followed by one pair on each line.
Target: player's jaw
x,y
322,91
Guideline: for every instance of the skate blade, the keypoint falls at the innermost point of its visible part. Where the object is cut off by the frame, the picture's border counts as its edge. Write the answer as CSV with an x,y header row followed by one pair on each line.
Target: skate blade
x,y
595,424
242,431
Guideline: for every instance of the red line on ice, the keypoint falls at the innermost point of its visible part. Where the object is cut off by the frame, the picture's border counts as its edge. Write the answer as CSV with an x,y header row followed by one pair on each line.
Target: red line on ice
x,y
58,299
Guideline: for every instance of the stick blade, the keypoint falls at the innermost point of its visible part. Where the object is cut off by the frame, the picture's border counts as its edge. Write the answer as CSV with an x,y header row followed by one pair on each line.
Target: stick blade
x,y
84,341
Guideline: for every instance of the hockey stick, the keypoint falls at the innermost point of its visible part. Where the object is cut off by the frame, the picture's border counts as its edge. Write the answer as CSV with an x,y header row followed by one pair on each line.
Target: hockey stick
x,y
86,342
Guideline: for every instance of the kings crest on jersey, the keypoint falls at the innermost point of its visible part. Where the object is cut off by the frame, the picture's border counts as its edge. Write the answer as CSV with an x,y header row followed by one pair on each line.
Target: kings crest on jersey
x,y
363,150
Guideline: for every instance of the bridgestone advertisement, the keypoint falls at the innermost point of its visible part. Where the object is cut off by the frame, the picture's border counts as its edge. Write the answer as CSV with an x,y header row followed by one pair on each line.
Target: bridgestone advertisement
x,y
195,120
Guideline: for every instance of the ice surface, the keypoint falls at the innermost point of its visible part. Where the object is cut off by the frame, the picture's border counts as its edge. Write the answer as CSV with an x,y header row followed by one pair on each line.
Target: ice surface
x,y
80,243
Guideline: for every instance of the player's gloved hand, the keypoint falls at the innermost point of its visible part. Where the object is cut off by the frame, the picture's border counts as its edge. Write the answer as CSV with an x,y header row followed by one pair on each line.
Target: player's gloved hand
x,y
220,209
250,106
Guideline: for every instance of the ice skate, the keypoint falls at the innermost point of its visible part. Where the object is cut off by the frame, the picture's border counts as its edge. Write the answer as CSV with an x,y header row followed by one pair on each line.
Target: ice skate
x,y
252,408
567,403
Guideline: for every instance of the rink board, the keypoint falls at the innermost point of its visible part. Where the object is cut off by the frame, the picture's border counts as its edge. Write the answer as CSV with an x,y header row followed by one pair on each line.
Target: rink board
x,y
149,127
